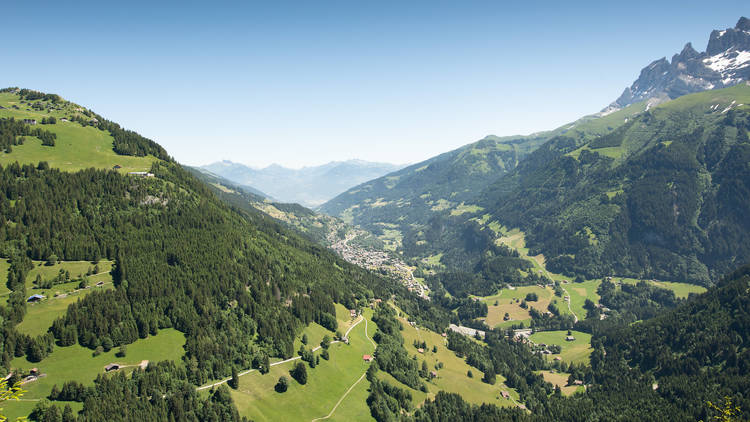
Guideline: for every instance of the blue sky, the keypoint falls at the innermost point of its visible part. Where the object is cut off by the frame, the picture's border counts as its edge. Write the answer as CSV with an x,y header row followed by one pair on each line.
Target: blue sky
x,y
303,83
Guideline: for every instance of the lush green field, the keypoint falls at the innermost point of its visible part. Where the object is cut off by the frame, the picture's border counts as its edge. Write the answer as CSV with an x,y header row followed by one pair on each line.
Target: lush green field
x,y
40,316
326,384
76,147
681,290
453,376
576,351
561,380
578,293
510,301
76,363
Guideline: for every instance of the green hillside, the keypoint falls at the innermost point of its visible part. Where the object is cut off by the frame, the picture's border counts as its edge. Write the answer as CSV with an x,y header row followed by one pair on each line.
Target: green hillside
x,y
660,197
236,286
415,210
77,146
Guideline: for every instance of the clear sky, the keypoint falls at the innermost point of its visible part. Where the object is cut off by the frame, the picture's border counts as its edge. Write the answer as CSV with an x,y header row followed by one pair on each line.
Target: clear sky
x,y
303,83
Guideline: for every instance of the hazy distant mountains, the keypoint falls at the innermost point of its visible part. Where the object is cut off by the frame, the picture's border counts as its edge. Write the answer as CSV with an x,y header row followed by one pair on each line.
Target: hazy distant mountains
x,y
725,63
309,186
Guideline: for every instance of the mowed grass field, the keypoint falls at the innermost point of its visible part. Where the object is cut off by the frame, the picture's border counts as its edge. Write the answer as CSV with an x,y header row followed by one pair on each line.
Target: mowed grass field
x,y
326,383
76,147
509,300
576,351
453,376
40,316
76,363
561,380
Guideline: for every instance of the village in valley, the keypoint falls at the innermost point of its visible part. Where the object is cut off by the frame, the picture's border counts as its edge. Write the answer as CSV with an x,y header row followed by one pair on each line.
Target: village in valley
x,y
373,259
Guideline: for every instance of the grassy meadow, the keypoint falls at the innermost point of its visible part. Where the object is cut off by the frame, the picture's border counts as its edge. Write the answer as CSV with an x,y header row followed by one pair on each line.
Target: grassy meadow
x,y
166,345
76,147
326,383
576,351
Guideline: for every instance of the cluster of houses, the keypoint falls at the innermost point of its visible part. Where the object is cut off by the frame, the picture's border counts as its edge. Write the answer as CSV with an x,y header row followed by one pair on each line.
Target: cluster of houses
x,y
375,260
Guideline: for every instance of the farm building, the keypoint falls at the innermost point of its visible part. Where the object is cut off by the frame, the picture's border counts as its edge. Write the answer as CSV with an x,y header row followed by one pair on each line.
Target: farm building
x,y
505,394
35,298
570,338
29,121
367,358
112,367
420,350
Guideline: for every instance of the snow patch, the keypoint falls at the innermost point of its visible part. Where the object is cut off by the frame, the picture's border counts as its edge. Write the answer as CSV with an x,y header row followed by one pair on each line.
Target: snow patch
x,y
725,62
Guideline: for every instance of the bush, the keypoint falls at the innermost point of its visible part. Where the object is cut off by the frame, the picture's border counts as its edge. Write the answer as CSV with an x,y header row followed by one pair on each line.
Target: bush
x,y
282,385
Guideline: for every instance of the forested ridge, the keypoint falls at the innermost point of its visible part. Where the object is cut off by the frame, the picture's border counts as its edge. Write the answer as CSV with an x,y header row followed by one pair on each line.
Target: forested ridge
x,y
239,285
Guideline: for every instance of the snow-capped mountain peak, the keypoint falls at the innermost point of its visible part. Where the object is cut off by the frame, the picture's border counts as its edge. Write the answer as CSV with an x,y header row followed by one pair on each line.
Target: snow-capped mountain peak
x,y
725,62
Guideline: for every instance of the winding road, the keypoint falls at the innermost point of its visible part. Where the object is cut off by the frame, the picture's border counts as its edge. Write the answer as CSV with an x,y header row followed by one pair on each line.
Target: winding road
x,y
352,386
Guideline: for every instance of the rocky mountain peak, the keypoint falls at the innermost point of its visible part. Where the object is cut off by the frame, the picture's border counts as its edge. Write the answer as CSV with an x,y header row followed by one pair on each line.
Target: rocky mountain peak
x,y
743,24
725,62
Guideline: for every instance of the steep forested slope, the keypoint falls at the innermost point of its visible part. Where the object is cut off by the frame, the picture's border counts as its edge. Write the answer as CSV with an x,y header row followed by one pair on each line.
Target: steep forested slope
x,y
239,285
663,196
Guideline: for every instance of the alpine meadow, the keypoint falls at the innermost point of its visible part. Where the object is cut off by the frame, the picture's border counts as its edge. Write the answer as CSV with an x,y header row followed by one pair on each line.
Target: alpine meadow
x,y
595,270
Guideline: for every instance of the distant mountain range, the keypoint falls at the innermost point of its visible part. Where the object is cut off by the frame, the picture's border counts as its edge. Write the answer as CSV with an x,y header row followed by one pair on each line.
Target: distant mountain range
x,y
725,63
309,186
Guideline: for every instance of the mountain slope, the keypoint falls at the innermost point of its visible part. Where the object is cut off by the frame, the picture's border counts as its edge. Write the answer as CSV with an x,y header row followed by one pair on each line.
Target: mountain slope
x,y
726,62
239,286
663,196
411,209
309,186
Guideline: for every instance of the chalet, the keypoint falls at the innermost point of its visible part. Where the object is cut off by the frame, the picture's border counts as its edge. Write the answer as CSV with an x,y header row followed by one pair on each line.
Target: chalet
x,y
521,406
444,334
34,371
117,166
505,394
112,367
34,298
570,338
93,121
367,358
577,382
420,350
29,121
433,374
352,313
558,358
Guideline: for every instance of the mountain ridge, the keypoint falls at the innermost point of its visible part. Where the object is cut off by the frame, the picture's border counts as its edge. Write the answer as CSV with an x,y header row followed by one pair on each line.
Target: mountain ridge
x,y
309,186
726,62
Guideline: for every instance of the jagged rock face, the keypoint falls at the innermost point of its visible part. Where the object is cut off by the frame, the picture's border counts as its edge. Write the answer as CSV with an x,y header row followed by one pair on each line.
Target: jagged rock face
x,y
725,62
